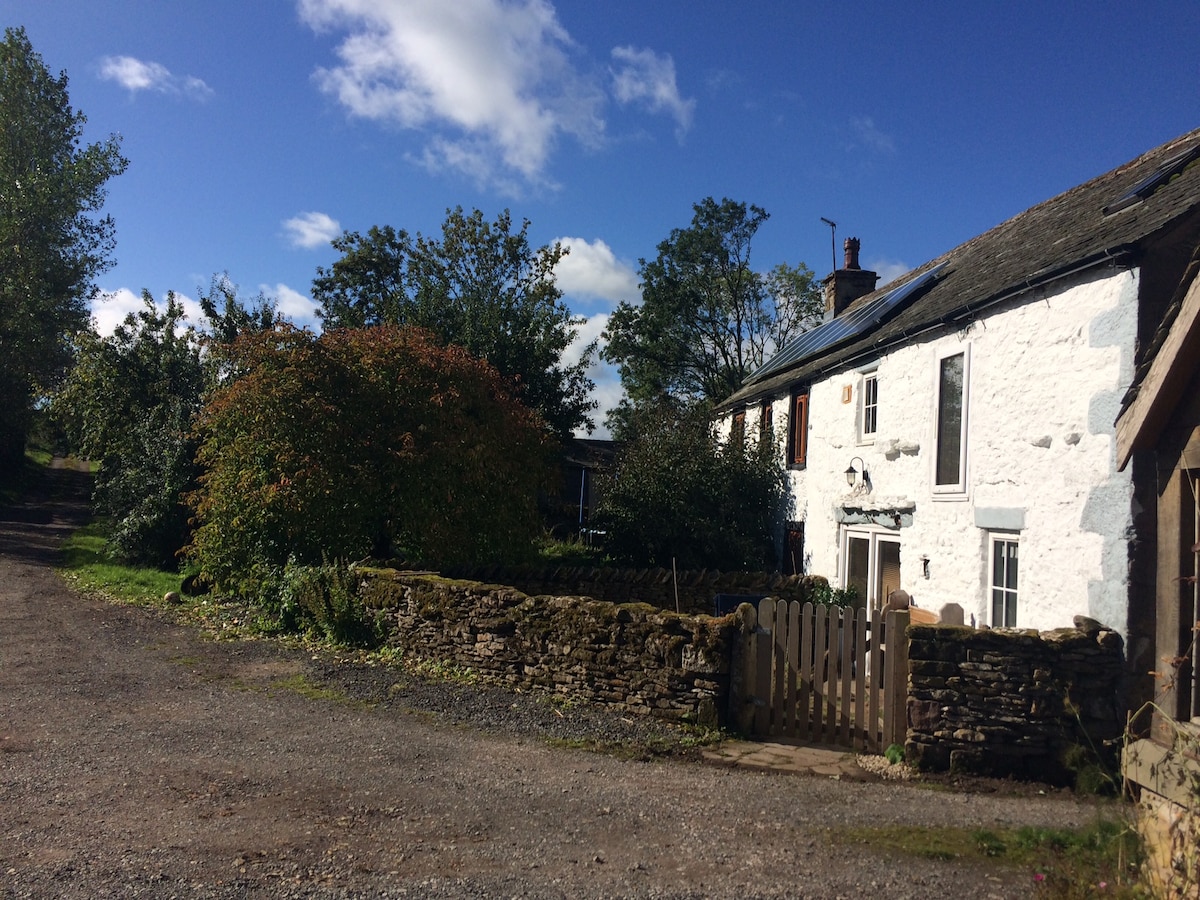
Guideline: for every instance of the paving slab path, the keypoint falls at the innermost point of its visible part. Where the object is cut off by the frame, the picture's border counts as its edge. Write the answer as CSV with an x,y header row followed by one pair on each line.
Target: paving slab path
x,y
139,758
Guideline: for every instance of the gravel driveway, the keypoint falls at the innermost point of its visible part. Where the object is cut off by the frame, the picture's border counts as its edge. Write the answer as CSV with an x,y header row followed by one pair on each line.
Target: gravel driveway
x,y
140,759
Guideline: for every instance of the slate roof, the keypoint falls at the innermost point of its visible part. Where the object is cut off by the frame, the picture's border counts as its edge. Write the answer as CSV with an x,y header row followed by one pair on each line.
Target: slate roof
x,y
1098,221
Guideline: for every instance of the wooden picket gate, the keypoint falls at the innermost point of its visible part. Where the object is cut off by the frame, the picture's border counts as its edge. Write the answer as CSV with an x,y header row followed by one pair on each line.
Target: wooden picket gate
x,y
825,675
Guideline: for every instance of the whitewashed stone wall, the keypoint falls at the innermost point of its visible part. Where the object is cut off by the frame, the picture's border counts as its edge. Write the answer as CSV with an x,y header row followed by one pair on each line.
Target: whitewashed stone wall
x,y
1045,382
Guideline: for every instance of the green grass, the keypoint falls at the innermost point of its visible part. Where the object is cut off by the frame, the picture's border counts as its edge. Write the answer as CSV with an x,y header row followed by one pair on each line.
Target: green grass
x,y
88,565
39,456
1101,859
300,684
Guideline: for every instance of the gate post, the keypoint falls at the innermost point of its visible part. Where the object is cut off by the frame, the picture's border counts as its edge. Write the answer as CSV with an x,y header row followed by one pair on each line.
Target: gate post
x,y
895,680
742,665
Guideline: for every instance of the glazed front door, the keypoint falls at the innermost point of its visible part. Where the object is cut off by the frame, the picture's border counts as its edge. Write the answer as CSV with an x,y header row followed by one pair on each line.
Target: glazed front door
x,y
871,564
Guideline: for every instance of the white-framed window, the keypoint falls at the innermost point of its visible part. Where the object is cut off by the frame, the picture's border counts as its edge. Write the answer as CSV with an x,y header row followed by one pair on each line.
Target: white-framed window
x,y
870,563
868,407
1002,578
950,405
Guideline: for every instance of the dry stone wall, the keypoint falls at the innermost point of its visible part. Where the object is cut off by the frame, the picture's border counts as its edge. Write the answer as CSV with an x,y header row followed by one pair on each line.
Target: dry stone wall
x,y
657,587
645,660
1010,702
1004,702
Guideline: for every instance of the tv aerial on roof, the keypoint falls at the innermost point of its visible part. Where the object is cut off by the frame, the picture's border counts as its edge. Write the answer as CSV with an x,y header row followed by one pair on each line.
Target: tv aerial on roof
x,y
832,240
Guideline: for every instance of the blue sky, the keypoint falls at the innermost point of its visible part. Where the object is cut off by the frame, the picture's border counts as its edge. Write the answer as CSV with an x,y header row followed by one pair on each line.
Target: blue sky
x,y
256,131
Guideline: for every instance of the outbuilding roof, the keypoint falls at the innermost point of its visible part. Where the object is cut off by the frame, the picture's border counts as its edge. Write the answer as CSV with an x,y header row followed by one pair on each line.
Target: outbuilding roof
x,y
1106,219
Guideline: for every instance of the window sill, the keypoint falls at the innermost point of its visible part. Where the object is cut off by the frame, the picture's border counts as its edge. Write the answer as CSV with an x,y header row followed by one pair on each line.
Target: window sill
x,y
950,496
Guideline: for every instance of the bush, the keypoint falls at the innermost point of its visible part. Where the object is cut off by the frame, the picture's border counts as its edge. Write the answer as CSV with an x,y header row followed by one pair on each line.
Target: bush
x,y
326,598
678,492
358,443
824,593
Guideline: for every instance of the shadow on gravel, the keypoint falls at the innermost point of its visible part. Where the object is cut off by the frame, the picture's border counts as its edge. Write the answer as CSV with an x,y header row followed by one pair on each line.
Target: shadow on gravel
x,y
56,502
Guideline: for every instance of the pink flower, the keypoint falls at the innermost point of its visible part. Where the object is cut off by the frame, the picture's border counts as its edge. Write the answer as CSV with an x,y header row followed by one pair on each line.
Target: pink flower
x,y
1039,877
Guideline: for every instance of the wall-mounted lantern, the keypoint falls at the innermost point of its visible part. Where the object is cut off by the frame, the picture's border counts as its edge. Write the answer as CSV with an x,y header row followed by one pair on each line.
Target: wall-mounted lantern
x,y
852,473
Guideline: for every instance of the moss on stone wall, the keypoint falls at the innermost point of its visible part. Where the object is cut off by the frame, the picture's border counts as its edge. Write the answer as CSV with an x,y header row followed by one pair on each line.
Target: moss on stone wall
x,y
632,655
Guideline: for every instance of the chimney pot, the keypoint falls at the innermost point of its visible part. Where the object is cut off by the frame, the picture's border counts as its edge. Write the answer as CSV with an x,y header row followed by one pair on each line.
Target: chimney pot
x,y
846,285
851,247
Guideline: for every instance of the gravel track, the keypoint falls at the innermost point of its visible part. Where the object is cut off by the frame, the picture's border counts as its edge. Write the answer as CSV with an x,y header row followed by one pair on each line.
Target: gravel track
x,y
140,759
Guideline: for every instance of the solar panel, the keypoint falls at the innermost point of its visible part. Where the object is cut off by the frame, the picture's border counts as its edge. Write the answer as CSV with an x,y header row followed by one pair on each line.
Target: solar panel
x,y
1150,183
844,327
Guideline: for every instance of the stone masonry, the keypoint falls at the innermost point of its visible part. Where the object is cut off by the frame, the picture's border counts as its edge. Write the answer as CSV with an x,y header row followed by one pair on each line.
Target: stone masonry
x,y
631,655
1009,702
657,587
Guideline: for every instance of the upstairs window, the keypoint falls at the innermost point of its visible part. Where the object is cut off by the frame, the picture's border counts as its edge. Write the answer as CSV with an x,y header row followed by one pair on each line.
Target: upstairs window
x,y
764,420
798,432
868,407
950,408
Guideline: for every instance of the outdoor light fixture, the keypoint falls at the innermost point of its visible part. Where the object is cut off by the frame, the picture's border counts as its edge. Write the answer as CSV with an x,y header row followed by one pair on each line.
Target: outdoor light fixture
x,y
852,473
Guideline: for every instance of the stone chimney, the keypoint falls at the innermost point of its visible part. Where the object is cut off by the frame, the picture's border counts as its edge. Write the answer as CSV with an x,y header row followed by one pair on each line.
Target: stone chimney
x,y
849,283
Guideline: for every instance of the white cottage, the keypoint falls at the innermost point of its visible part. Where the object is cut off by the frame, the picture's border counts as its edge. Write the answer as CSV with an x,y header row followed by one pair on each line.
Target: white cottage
x,y
952,433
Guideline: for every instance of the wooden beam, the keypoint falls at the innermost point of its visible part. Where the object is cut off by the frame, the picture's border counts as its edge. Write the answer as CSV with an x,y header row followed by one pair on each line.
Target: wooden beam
x,y
1140,425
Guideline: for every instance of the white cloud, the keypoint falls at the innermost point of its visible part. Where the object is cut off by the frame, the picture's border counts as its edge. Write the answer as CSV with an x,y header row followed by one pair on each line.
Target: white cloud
x,y
293,305
495,75
647,78
311,229
139,75
590,270
109,309
864,133
889,270
607,392
587,332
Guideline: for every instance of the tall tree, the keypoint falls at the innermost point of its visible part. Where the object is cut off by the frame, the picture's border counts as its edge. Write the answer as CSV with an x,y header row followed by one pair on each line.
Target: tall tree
x,y
53,242
480,286
227,315
128,403
707,319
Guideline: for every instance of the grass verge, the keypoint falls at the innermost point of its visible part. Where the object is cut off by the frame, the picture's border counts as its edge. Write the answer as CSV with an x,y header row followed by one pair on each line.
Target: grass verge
x,y
1100,860
87,564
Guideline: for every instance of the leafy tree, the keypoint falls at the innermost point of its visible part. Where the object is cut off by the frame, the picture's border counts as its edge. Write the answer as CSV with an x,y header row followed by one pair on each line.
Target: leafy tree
x,y
53,244
678,493
227,315
480,286
361,442
707,319
129,403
